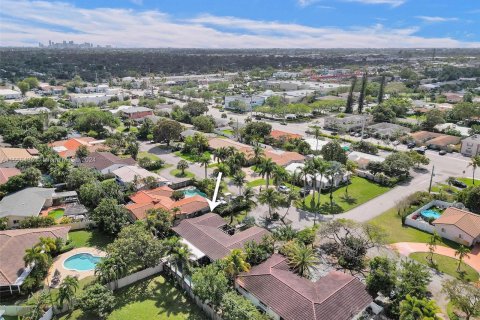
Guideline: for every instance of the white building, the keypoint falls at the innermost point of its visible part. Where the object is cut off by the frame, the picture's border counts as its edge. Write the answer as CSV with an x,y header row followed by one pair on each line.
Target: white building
x,y
347,123
323,182
9,94
471,146
363,159
249,102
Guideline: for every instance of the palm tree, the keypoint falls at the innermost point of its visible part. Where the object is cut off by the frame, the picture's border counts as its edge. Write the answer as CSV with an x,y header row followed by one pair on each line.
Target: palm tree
x,y
302,259
223,168
35,256
279,175
110,269
306,170
248,196
334,169
270,197
235,263
204,162
239,180
317,134
474,163
413,308
236,161
181,257
266,167
221,154
350,167
432,244
67,290
291,197
462,252
258,153
182,165
322,168
47,244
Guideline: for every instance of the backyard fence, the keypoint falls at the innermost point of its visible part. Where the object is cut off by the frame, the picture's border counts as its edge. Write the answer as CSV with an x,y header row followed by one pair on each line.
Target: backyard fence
x,y
423,225
15,311
134,277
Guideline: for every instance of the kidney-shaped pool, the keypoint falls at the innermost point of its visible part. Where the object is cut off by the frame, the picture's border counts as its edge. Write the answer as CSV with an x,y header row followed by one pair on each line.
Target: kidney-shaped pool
x,y
81,262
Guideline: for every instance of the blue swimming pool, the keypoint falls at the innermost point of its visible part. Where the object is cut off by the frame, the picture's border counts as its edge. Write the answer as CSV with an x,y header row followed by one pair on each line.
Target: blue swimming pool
x,y
81,262
430,214
193,192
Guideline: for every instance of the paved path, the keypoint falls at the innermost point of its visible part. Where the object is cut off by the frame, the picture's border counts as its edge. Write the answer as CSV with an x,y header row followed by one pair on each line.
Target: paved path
x,y
405,248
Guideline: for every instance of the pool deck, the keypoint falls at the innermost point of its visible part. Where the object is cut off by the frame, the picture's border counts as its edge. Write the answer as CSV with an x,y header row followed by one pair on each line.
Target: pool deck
x,y
58,265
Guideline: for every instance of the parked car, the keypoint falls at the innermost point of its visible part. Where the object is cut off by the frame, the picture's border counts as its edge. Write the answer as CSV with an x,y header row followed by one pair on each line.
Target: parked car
x,y
411,145
366,136
283,188
442,152
304,192
396,143
459,184
357,135
421,150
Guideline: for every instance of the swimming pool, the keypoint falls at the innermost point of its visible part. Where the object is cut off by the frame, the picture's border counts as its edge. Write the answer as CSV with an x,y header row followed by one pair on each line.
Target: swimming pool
x,y
193,192
81,262
430,214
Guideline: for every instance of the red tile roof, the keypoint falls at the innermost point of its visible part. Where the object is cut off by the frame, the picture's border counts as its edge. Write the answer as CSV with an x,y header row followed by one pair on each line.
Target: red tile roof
x,y
159,198
278,134
7,173
204,233
466,221
336,296
71,145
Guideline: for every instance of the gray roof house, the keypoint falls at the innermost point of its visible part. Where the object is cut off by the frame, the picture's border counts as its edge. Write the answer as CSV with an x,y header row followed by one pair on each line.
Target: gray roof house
x,y
385,129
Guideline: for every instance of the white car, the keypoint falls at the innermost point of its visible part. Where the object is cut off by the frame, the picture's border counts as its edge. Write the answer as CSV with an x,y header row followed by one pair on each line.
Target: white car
x,y
283,189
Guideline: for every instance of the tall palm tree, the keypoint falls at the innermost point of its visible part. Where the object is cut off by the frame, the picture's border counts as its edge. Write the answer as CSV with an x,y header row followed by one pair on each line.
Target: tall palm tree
x,y
350,167
305,171
322,168
258,153
270,197
279,175
235,263
248,196
221,154
223,168
302,259
36,256
462,252
290,198
47,244
474,163
204,162
266,167
317,134
66,291
181,258
239,180
110,269
432,244
334,169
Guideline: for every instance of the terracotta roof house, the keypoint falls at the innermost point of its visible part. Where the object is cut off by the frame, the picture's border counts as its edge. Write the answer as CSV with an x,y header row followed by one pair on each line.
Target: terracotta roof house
x,y
137,112
67,148
459,225
423,136
443,141
135,174
9,157
106,162
279,135
13,244
159,198
280,157
7,173
282,294
210,236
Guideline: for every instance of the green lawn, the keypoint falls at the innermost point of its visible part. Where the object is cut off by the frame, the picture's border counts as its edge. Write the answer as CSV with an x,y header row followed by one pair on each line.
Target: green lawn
x,y
122,128
188,156
258,182
446,265
145,154
391,222
237,218
90,238
152,298
56,214
178,173
469,181
229,132
54,292
359,191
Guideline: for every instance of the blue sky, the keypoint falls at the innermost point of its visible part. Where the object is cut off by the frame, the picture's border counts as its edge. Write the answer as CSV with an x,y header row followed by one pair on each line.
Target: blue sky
x,y
243,23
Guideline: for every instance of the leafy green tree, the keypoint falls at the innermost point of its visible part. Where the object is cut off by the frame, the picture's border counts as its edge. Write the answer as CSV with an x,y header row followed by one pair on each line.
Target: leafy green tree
x,y
23,86
236,307
470,197
333,151
182,165
90,119
266,168
413,308
110,216
97,300
79,176
363,88
381,90
349,107
383,113
160,221
32,82
432,118
272,198
418,158
210,284
167,130
382,277
235,263
204,123
257,252
464,296
195,108
462,252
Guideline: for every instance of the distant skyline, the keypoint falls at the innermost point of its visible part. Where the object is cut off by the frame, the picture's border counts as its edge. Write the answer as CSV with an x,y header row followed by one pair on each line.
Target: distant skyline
x,y
243,23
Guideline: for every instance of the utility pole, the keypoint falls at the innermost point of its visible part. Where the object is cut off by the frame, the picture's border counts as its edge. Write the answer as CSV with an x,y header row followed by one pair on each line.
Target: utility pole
x,y
431,180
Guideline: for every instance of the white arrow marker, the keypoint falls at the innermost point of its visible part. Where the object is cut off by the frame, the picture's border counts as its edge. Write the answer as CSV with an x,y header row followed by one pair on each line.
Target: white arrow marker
x,y
213,203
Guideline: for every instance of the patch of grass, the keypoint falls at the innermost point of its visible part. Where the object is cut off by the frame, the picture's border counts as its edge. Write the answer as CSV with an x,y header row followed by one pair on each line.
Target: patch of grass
x,y
258,182
178,174
56,214
446,265
189,156
237,218
360,191
145,154
469,181
451,312
391,222
90,238
122,128
152,298
82,284
229,132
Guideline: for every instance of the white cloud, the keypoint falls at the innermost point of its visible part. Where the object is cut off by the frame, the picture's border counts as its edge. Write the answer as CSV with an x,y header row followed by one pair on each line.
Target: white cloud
x,y
436,19
393,3
137,2
28,22
306,3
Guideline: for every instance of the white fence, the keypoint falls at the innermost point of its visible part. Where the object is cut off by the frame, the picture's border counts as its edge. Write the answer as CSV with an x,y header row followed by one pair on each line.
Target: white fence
x,y
77,225
421,224
134,277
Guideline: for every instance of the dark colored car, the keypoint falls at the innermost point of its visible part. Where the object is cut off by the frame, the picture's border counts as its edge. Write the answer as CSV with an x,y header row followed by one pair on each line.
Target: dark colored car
x,y
411,145
304,192
459,184
442,152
